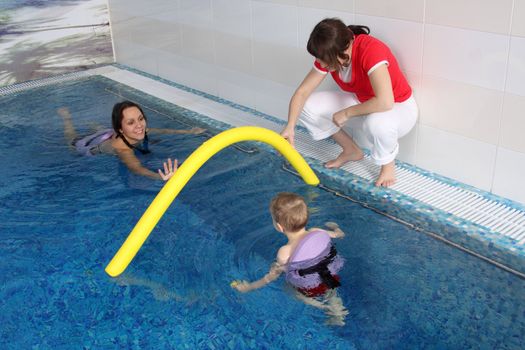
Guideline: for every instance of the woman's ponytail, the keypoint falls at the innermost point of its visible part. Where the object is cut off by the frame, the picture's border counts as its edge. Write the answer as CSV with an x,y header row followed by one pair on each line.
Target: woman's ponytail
x,y
359,29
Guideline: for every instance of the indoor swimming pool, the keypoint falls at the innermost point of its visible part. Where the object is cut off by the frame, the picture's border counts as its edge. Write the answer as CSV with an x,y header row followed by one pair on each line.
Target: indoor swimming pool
x,y
63,217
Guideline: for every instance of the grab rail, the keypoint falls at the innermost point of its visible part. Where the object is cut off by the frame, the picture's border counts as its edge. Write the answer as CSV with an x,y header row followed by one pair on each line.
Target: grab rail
x,y
171,189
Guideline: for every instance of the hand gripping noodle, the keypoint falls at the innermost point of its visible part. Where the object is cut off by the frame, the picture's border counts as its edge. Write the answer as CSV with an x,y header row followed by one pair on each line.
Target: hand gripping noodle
x,y
171,189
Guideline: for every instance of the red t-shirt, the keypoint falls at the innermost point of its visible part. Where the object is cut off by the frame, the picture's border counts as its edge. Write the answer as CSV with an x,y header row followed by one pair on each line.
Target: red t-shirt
x,y
367,53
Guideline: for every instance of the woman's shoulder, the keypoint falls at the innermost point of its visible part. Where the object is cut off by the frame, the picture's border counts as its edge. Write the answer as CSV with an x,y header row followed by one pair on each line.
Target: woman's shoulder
x,y
364,40
119,145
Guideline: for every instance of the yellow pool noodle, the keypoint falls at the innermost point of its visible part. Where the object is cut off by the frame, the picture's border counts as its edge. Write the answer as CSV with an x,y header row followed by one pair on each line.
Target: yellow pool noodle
x,y
173,186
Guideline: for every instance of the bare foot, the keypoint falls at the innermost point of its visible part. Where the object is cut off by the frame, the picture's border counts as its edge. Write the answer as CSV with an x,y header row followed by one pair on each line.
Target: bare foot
x,y
344,158
387,175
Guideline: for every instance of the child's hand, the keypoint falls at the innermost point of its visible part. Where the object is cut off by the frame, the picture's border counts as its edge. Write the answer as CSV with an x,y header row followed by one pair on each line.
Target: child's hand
x,y
241,286
196,131
331,225
338,233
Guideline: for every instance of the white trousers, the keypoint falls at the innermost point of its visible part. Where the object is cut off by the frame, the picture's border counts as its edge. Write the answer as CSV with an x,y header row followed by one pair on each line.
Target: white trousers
x,y
378,132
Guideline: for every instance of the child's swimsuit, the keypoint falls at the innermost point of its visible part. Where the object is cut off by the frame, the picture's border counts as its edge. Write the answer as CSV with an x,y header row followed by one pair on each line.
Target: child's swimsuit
x,y
90,145
313,266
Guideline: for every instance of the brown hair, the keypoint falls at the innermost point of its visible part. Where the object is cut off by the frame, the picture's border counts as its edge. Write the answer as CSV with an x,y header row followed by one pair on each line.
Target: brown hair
x,y
290,211
330,38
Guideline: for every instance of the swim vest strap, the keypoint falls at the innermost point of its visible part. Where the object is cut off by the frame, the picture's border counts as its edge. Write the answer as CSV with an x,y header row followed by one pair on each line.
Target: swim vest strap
x,y
321,268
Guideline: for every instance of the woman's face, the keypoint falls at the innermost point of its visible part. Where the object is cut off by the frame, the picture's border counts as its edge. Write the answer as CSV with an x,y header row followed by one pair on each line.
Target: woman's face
x,y
133,124
342,62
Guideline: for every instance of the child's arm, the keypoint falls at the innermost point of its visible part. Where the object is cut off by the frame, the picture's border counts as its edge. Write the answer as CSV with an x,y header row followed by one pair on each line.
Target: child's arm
x,y
275,271
336,231
244,286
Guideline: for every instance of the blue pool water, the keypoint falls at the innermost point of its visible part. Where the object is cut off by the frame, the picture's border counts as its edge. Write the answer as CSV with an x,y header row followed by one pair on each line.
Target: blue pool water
x,y
62,218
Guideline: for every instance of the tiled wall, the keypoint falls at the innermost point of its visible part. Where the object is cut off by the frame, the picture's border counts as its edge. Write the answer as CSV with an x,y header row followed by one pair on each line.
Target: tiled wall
x,y
464,58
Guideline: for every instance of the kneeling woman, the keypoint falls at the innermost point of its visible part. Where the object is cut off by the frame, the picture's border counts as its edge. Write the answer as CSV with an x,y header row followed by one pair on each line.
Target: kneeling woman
x,y
375,97
129,134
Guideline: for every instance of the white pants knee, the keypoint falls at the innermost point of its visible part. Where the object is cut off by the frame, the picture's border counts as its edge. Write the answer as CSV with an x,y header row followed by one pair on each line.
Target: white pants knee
x,y
379,132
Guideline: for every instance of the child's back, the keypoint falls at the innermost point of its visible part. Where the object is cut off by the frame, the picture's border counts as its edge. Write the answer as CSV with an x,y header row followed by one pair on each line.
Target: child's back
x,y
309,258
313,266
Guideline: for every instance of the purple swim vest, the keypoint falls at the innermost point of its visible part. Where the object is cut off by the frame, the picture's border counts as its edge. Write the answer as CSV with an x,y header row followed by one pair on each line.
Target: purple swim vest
x,y
311,250
88,143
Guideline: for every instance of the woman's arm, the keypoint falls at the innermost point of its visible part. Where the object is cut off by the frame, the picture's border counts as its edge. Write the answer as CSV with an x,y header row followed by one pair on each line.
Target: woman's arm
x,y
69,129
193,131
381,102
134,165
312,80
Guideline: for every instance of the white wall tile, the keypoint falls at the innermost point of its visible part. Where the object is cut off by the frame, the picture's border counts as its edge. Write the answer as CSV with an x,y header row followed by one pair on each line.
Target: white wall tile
x,y
414,80
273,98
118,15
411,10
513,123
137,56
197,43
274,24
518,18
236,86
516,71
118,22
455,156
196,13
232,17
280,2
408,146
508,176
309,17
463,109
233,52
278,63
156,34
404,38
338,5
184,70
143,8
467,56
484,15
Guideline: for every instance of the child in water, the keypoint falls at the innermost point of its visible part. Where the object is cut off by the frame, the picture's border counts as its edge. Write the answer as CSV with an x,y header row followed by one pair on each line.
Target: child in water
x,y
309,259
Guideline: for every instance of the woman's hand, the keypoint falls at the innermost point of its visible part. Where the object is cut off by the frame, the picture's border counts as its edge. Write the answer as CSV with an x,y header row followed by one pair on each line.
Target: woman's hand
x,y
169,169
289,134
340,118
196,131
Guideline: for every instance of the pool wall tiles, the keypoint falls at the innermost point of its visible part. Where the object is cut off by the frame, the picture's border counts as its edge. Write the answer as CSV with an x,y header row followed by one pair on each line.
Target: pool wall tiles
x,y
464,59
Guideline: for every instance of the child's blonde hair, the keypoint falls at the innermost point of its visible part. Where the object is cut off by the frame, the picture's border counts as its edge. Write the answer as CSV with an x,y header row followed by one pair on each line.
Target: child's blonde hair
x,y
290,211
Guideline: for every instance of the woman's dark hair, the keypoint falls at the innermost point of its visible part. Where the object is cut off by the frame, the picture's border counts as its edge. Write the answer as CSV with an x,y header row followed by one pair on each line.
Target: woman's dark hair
x,y
117,114
116,122
330,38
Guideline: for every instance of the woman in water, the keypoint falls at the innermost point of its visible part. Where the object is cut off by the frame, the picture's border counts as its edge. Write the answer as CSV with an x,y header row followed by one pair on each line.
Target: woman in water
x,y
128,135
